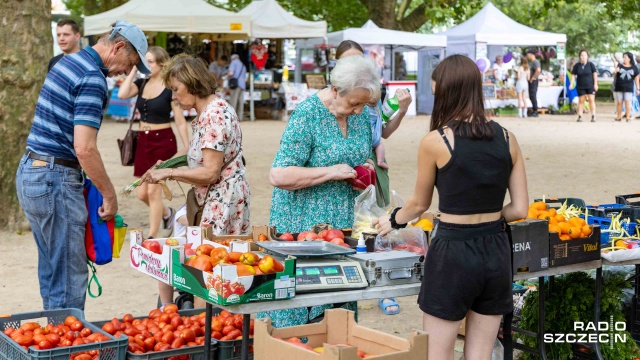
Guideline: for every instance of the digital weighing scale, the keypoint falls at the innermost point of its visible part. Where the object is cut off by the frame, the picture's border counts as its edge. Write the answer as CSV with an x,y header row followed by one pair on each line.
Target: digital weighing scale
x,y
329,274
320,266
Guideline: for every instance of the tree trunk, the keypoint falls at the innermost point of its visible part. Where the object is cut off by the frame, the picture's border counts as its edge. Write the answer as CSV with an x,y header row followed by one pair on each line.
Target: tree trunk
x,y
383,13
26,43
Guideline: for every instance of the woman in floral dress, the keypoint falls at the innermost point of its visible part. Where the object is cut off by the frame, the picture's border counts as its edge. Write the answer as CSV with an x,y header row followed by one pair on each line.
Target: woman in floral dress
x,y
215,151
326,137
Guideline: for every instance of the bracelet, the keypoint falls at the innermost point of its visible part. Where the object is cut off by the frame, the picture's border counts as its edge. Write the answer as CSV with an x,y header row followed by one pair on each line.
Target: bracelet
x,y
171,174
392,220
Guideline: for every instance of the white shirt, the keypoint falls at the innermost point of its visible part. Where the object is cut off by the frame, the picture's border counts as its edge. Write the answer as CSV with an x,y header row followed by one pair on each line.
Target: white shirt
x,y
501,70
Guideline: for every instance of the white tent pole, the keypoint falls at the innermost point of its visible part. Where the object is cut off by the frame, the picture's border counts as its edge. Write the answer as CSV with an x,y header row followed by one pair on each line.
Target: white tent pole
x,y
251,105
326,42
393,65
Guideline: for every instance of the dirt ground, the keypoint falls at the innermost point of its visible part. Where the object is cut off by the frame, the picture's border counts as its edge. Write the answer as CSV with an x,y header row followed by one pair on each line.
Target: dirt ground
x,y
593,161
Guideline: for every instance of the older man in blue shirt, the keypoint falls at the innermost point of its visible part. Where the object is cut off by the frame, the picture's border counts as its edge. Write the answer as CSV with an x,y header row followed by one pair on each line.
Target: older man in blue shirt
x,y
237,71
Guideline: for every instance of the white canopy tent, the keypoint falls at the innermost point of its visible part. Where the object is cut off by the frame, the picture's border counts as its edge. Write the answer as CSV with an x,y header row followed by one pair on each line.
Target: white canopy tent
x,y
185,16
492,27
393,40
270,20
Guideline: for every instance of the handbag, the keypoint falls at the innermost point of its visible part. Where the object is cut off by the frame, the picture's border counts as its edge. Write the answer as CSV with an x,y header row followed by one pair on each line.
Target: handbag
x,y
127,145
233,83
194,210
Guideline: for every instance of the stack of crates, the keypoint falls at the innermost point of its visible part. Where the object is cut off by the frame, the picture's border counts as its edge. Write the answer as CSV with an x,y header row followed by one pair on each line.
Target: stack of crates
x,y
634,320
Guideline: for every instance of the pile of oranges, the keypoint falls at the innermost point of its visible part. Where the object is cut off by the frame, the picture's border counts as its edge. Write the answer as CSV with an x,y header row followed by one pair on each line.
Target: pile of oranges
x,y
567,228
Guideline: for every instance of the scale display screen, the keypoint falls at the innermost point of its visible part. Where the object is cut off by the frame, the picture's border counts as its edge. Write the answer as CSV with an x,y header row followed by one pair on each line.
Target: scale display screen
x,y
330,270
298,272
312,271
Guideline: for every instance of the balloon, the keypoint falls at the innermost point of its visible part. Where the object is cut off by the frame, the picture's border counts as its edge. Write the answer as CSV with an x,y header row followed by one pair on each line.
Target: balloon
x,y
507,57
552,52
483,64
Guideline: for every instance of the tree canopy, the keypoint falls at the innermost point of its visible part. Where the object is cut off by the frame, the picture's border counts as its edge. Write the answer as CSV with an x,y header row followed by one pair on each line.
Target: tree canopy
x,y
601,27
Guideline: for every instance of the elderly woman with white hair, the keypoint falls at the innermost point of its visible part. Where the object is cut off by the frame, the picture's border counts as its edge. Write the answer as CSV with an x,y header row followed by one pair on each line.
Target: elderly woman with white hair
x,y
237,80
326,137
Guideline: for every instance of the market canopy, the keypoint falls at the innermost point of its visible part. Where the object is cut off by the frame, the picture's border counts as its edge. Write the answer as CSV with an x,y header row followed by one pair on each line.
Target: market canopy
x,y
372,34
493,27
184,16
269,20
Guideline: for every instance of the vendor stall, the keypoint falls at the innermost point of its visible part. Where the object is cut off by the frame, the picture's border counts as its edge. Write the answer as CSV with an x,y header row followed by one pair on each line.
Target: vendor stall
x,y
391,42
490,31
270,21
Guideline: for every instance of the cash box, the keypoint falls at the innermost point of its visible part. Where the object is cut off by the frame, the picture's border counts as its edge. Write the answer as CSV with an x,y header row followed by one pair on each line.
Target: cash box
x,y
391,267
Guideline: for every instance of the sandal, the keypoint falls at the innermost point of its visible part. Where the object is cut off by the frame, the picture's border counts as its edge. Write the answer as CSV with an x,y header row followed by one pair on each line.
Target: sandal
x,y
579,119
168,222
390,302
618,120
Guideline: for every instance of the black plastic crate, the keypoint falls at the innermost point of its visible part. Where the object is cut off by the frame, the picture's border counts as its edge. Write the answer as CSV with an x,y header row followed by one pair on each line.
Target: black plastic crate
x,y
228,350
558,202
627,199
195,352
114,349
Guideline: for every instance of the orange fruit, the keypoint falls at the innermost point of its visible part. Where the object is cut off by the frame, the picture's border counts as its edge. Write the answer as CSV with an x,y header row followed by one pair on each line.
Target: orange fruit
x,y
586,230
544,215
554,228
565,237
552,212
575,232
533,213
574,221
539,205
564,227
552,220
559,218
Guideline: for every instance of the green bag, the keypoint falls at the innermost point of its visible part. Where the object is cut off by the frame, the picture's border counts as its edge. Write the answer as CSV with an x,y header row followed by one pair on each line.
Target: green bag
x,y
382,184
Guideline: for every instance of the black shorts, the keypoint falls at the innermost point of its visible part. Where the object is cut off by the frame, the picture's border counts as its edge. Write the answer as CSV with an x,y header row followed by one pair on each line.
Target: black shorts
x,y
589,91
467,267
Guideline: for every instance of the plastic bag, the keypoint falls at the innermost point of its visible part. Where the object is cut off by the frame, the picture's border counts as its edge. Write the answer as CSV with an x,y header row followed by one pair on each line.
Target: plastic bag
x,y
411,239
394,201
365,210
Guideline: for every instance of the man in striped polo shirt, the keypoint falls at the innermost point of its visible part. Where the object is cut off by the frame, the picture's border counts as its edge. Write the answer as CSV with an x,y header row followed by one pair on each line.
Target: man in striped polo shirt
x,y
61,144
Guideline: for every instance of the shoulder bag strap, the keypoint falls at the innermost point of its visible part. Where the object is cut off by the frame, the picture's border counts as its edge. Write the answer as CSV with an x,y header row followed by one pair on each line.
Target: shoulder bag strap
x,y
133,113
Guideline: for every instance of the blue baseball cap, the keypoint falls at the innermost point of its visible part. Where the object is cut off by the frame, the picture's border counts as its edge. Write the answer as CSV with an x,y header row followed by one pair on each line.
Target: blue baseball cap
x,y
136,37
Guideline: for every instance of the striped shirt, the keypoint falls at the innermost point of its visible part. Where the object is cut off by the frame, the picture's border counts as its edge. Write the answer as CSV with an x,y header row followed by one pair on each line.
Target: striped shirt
x,y
74,93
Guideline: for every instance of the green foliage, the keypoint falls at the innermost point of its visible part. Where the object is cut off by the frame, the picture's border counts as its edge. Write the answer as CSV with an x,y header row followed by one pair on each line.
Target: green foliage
x,y
572,300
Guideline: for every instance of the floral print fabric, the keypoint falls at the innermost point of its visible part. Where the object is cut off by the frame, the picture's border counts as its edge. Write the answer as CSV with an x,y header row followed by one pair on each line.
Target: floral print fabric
x,y
313,138
227,203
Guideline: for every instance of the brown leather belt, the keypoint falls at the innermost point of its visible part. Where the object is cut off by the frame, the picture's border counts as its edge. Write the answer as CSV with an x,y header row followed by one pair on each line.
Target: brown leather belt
x,y
59,161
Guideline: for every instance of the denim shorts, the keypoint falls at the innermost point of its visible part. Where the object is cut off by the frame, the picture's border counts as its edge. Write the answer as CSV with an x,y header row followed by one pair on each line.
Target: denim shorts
x,y
623,96
468,267
52,198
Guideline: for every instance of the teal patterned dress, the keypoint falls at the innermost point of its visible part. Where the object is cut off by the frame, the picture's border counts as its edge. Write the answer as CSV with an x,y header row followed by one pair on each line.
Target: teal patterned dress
x,y
313,138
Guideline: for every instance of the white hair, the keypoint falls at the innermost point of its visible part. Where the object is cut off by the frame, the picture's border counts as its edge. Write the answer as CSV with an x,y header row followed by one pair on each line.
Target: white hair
x,y
356,72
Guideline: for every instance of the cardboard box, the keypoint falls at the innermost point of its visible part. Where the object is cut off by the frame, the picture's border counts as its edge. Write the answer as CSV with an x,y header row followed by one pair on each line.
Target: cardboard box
x,y
530,241
210,286
253,236
158,266
337,327
462,330
574,251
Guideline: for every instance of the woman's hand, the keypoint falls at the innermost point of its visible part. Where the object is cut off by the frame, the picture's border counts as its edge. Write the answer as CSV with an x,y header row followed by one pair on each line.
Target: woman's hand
x,y
343,172
152,176
369,164
404,99
595,87
382,224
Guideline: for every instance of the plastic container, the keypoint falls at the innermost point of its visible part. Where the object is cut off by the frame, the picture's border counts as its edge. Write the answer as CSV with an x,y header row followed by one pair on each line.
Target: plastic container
x,y
232,349
557,202
115,349
196,352
605,223
626,199
361,247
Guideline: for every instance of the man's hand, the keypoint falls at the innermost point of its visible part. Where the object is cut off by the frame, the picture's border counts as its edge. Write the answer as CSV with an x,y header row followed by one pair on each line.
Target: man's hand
x,y
109,208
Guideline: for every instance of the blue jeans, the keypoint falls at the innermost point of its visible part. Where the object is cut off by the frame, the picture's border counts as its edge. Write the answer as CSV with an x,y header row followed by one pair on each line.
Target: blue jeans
x,y
52,198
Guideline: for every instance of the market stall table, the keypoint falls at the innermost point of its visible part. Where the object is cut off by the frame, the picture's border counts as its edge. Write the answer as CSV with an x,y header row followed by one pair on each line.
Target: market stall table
x,y
548,96
551,272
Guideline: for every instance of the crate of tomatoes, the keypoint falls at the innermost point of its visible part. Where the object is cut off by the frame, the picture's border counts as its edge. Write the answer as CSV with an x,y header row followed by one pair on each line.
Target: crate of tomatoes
x,y
57,335
174,334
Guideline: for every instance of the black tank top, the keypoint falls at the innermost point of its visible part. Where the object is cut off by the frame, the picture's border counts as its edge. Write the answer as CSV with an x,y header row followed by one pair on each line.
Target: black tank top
x,y
156,110
476,178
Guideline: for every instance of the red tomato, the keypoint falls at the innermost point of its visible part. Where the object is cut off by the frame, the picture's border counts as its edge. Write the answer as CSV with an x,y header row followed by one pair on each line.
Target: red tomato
x,y
227,329
127,318
188,335
177,343
234,334
287,236
76,326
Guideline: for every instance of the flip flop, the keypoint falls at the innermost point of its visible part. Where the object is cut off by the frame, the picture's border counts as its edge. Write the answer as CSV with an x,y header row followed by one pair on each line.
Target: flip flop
x,y
168,222
384,305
